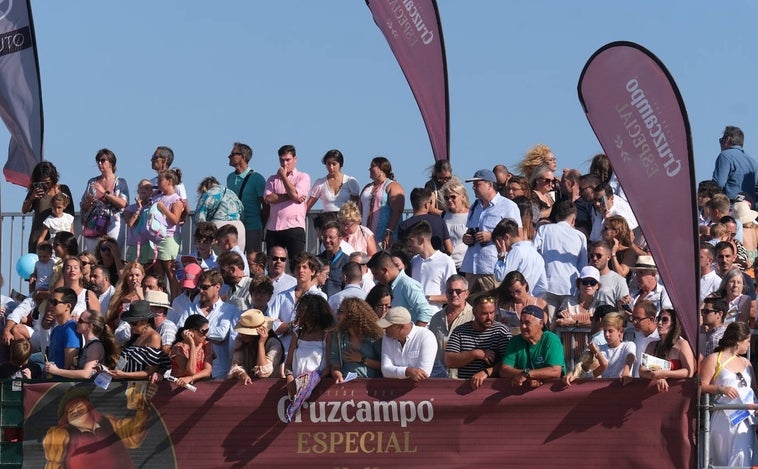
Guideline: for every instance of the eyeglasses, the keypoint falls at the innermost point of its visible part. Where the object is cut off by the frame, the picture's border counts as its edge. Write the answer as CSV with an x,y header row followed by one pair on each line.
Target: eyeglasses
x,y
84,263
663,320
382,306
277,258
205,287
203,331
589,282
544,180
457,291
82,321
637,320
233,154
596,255
56,302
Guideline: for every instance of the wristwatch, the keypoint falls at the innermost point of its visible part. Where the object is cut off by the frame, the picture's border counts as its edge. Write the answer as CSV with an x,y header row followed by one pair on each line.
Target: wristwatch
x,y
526,373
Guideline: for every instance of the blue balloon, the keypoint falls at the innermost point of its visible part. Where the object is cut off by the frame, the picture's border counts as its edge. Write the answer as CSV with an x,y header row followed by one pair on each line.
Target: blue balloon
x,y
25,265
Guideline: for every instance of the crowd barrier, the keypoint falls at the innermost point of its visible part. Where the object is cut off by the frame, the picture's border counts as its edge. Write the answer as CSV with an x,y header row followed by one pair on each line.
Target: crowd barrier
x,y
377,423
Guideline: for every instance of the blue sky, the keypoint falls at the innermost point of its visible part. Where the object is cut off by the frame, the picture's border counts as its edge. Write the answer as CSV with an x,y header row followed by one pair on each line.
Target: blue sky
x,y
197,76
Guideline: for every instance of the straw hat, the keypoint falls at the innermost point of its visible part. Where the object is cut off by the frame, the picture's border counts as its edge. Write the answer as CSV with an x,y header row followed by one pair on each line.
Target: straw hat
x,y
252,319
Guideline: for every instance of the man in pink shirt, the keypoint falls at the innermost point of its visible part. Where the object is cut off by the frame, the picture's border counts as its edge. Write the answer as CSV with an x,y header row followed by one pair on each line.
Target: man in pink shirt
x,y
286,192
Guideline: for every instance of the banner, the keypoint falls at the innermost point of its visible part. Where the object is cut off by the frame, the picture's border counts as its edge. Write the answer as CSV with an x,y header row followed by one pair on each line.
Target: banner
x,y
377,423
20,93
638,115
414,32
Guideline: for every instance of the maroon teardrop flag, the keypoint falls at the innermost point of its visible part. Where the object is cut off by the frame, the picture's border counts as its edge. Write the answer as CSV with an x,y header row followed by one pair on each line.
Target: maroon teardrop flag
x,y
638,115
414,33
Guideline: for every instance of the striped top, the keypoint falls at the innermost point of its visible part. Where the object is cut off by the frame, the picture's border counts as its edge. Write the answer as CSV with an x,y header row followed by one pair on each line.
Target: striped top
x,y
464,338
139,357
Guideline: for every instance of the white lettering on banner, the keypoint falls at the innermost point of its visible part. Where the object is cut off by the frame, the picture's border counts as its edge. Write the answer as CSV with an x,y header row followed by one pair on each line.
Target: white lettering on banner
x,y
403,412
654,129
426,35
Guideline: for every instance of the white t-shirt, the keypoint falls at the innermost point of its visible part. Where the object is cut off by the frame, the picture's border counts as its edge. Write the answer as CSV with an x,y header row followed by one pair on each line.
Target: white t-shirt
x,y
617,358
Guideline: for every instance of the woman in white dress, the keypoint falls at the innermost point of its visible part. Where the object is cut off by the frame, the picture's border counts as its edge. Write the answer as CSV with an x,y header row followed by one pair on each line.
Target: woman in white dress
x,y
311,341
336,188
728,375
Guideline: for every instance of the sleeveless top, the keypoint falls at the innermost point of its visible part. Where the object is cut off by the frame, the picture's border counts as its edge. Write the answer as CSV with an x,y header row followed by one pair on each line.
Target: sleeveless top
x,y
375,208
309,356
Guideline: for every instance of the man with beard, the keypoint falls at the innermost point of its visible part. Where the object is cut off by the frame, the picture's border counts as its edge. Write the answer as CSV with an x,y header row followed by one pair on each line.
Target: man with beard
x,y
100,283
236,289
477,347
613,286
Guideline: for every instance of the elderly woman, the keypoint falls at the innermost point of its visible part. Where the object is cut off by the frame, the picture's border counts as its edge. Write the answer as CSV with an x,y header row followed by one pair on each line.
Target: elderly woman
x,y
142,356
731,290
42,188
353,233
103,200
191,354
99,348
336,188
456,205
671,347
258,352
357,341
220,205
382,201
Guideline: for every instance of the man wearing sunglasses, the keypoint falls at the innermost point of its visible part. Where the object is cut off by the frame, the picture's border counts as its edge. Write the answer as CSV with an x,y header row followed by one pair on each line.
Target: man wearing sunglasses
x,y
613,286
713,312
645,329
734,171
277,264
220,317
457,311
65,342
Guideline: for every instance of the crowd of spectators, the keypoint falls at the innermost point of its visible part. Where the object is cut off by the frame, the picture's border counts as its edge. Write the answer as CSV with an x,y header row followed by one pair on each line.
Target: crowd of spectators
x,y
537,278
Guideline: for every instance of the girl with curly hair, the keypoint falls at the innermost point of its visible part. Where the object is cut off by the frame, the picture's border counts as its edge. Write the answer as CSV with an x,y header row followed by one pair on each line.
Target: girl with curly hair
x,y
357,344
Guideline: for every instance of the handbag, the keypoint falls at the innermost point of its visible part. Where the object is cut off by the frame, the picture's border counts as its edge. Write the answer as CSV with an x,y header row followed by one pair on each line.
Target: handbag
x,y
96,222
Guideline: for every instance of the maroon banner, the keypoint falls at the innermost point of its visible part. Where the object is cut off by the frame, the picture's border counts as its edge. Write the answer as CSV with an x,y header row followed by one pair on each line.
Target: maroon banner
x,y
413,30
638,115
20,93
381,423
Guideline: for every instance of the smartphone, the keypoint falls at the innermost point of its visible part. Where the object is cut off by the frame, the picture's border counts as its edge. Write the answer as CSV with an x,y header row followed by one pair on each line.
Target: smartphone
x,y
626,307
38,185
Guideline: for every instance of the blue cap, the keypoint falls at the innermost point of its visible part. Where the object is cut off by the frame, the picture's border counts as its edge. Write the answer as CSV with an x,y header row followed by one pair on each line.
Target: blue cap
x,y
483,175
533,310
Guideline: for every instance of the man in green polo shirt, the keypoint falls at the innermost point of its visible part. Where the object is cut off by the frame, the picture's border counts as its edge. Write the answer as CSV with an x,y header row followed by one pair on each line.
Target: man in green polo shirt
x,y
535,356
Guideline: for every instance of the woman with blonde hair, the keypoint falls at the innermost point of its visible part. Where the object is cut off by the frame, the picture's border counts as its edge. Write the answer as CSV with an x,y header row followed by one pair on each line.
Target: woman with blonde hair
x,y
357,341
542,183
455,215
356,235
538,155
128,290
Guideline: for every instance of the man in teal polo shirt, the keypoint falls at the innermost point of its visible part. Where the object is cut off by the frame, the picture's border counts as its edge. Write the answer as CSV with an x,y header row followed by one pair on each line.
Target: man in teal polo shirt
x,y
248,185
535,356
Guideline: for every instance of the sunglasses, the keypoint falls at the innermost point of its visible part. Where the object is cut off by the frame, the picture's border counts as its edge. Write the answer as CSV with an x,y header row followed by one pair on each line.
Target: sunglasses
x,y
205,287
277,258
589,282
203,331
56,302
596,256
82,321
105,249
382,307
456,291
708,311
233,154
663,320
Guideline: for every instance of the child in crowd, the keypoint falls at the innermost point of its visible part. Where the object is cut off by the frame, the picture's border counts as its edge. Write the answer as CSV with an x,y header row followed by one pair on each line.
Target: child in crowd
x,y
718,232
43,268
134,216
614,358
226,240
58,220
18,366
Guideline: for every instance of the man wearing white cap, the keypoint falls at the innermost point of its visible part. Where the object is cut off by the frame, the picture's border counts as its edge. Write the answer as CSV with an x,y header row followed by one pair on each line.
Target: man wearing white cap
x,y
489,208
408,351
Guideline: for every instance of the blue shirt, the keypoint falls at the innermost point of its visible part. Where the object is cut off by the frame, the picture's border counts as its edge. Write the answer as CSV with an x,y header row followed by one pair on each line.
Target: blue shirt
x,y
408,293
735,172
63,336
481,259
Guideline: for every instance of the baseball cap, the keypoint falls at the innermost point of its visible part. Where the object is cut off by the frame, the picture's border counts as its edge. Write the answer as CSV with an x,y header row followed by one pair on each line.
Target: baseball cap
x,y
483,175
395,315
191,275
